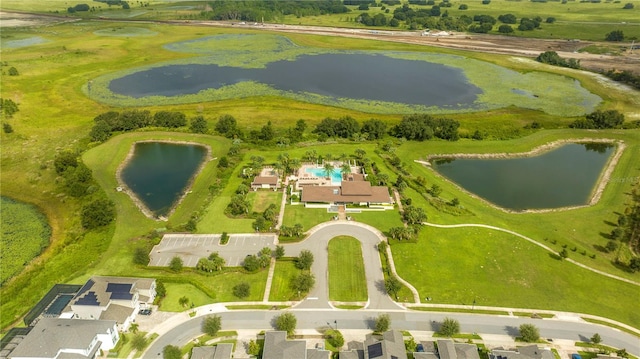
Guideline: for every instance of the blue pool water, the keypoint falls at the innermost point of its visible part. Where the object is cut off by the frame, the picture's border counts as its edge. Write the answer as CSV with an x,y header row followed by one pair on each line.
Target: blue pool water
x,y
336,175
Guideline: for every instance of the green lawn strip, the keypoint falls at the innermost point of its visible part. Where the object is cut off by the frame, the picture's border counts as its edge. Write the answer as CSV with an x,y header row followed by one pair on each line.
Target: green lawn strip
x,y
468,336
25,234
347,281
284,273
256,307
349,307
404,294
150,339
204,338
486,256
533,315
586,224
608,324
459,310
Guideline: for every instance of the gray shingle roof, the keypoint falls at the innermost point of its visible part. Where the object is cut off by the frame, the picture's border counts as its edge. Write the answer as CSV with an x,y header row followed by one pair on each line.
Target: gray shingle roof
x,y
51,335
276,346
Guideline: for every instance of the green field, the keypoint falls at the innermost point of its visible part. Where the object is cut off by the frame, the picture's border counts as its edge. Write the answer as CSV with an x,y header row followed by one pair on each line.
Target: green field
x,y
175,291
281,290
25,233
347,281
55,115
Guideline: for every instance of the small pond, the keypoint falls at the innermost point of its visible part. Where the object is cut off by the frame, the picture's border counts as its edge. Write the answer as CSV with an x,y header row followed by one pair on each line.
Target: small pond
x,y
565,176
159,173
34,40
371,77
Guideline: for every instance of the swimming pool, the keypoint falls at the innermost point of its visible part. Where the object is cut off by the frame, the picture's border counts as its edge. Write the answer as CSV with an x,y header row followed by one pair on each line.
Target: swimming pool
x,y
336,175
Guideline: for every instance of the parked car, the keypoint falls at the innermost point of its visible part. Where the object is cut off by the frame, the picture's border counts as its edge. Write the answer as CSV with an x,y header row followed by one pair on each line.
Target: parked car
x,y
145,312
575,356
419,348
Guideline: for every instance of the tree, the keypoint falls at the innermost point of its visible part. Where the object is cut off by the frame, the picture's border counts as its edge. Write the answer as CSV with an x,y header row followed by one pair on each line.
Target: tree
x,y
383,322
226,124
596,339
176,264
171,352
64,160
455,202
238,205
303,282
563,253
529,333
278,252
304,260
254,348
335,338
449,327
9,108
161,290
508,19
199,125
141,256
328,169
611,246
287,322
138,342
100,132
414,215
266,132
463,7
211,325
634,264
98,213
242,290
615,35
505,29
251,263
628,6
392,285
13,71
183,301
435,190
133,328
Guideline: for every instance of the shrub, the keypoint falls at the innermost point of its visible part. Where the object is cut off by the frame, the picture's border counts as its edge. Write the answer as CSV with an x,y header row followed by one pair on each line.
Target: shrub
x,y
7,128
335,338
242,290
463,7
383,322
449,327
505,29
98,213
13,71
211,325
529,333
140,256
615,35
176,264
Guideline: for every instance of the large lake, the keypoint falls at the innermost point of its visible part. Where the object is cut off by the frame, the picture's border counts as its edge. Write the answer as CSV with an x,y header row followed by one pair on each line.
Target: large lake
x,y
565,176
158,173
371,77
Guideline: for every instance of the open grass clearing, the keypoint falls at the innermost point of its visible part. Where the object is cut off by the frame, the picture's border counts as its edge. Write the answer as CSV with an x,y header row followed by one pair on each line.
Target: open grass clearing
x,y
283,275
175,291
307,217
459,310
347,280
382,220
439,257
261,200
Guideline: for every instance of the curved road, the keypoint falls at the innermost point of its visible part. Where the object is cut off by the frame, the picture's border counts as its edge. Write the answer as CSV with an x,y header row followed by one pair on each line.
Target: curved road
x,y
315,311
404,320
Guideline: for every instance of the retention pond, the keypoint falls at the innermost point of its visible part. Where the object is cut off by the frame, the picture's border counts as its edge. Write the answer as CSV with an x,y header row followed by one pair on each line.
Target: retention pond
x,y
159,173
563,177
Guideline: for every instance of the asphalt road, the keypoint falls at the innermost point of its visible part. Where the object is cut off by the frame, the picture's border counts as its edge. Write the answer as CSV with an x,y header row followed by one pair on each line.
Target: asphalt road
x,y
403,320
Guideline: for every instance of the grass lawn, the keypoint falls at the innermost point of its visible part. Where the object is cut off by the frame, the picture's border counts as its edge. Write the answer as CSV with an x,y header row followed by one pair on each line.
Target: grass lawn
x,y
382,220
347,281
175,291
260,200
308,217
285,272
456,266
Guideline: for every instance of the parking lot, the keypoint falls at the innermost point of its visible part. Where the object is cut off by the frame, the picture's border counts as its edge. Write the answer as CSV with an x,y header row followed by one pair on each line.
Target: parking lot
x,y
192,247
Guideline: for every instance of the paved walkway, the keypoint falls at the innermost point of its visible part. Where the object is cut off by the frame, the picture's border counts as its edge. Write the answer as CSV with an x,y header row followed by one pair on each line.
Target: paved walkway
x,y
532,241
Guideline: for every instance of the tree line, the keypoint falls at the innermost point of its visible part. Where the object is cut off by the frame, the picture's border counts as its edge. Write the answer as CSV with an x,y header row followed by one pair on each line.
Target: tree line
x,y
270,10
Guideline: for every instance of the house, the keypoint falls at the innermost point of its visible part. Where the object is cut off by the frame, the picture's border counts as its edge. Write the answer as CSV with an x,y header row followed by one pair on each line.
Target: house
x,y
526,352
111,298
220,351
67,338
390,346
360,193
267,179
276,346
447,349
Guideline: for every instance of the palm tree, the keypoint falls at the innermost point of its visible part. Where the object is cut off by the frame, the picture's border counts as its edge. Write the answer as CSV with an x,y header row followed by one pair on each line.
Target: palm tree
x,y
329,169
346,169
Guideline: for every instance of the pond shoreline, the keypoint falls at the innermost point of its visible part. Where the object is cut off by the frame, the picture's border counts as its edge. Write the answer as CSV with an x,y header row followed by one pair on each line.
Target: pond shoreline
x,y
595,195
137,201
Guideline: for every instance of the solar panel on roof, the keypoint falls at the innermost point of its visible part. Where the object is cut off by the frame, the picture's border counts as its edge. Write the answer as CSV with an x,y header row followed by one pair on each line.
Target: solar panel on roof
x,y
59,304
118,287
375,350
86,287
89,299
